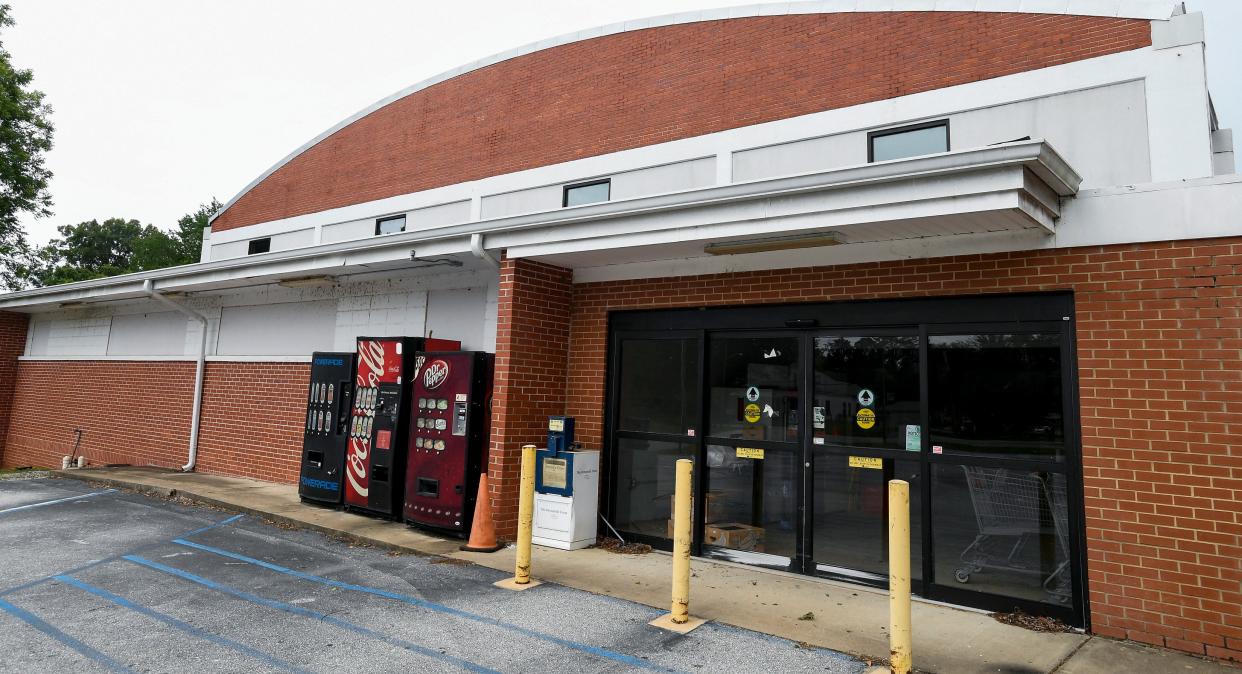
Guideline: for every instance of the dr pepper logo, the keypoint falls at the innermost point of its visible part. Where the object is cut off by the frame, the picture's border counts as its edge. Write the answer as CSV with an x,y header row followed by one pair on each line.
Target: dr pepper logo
x,y
435,374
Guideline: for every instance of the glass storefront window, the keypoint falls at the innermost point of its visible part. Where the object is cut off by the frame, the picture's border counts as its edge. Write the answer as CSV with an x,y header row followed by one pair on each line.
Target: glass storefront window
x,y
752,503
754,388
645,489
853,373
850,515
996,395
1002,531
659,385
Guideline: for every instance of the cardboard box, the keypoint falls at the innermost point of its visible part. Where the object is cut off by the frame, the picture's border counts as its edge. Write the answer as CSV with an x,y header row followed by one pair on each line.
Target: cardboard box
x,y
716,507
734,536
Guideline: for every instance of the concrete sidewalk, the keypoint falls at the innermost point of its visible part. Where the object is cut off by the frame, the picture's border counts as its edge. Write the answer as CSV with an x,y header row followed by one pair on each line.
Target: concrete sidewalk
x,y
847,618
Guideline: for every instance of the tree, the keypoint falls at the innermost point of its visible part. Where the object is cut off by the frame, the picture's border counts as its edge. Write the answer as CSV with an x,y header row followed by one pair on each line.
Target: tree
x,y
25,138
95,249
189,231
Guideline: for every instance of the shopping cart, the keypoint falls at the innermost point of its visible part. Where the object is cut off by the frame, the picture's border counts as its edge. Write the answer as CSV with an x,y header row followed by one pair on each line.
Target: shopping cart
x,y
1012,505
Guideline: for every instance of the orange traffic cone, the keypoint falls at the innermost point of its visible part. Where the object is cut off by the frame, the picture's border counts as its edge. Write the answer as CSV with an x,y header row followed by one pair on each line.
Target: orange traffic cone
x,y
483,528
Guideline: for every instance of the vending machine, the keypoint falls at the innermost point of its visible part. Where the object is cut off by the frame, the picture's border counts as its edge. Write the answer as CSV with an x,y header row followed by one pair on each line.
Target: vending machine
x,y
375,454
326,429
448,443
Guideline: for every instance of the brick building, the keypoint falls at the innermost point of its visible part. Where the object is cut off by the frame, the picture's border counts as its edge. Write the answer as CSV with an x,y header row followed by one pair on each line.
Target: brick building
x,y
993,253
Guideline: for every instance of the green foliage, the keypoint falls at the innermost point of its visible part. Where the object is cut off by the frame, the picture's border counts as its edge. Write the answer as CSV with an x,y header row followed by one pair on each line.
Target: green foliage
x,y
25,138
94,249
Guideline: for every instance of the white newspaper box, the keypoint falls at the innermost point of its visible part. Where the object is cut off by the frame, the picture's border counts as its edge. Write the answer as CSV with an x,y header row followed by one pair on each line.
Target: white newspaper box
x,y
568,522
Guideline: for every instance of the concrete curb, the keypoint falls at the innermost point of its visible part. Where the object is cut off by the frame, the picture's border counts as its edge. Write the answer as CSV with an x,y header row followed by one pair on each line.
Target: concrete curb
x,y
276,518
947,639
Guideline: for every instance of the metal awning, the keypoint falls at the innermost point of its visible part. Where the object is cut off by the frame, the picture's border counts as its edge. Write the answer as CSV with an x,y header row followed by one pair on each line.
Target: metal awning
x,y
1010,187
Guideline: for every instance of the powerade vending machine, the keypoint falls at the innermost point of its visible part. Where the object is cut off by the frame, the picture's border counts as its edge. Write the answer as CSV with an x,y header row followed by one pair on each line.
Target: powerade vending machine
x,y
451,406
375,454
327,427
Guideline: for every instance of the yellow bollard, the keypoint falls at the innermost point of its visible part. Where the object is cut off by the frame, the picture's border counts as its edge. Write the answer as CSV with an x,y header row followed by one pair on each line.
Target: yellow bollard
x,y
526,515
899,577
678,619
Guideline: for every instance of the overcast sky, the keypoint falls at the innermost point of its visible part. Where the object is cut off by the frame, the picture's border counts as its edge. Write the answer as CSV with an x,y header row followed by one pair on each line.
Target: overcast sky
x,y
160,105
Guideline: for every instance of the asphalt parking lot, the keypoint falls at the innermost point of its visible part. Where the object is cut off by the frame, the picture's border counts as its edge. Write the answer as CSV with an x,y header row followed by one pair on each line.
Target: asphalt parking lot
x,y
103,580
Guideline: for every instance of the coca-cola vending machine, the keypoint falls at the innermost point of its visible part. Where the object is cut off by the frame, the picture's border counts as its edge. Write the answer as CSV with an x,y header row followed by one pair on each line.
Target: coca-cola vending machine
x,y
448,441
327,427
375,455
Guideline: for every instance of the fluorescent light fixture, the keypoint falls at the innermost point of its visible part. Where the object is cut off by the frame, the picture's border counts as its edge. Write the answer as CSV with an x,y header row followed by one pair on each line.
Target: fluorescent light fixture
x,y
307,282
71,305
771,243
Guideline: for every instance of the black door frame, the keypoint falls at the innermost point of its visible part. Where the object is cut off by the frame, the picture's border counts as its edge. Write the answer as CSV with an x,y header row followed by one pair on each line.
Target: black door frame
x,y
951,315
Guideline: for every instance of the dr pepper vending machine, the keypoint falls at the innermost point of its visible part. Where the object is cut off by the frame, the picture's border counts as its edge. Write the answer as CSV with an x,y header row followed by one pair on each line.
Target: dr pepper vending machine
x,y
449,437
326,428
375,455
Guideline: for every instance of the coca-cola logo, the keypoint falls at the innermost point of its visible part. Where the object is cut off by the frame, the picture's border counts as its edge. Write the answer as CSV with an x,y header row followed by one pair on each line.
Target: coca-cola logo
x,y
435,374
356,473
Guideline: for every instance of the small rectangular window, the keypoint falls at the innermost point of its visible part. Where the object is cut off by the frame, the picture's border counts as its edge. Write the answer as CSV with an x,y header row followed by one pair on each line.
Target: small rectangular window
x,y
908,141
257,246
587,193
390,225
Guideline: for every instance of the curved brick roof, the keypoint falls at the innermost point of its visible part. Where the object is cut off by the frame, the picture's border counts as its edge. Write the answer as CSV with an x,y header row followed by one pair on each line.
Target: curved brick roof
x,y
586,95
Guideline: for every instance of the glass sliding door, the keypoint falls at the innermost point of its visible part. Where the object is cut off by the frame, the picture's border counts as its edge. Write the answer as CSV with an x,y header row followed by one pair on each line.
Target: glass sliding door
x,y
657,403
865,431
798,416
754,459
1000,510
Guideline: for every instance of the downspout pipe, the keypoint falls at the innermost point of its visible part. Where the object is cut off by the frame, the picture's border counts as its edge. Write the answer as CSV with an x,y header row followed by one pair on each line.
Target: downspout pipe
x,y
149,288
476,247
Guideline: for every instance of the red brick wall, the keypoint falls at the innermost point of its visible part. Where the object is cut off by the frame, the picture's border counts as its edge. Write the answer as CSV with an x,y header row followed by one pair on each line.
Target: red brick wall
x,y
138,413
130,412
650,86
12,345
253,415
532,338
1159,331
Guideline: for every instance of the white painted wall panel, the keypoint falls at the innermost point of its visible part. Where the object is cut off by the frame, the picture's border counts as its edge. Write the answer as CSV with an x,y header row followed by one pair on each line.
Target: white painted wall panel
x,y
1101,132
154,334
345,231
674,177
459,314
68,334
438,216
232,249
536,199
286,329
400,314
686,175
295,239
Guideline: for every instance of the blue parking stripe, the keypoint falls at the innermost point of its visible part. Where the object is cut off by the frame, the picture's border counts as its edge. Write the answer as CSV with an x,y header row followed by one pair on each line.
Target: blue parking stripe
x,y
221,523
41,625
78,569
181,625
439,608
305,612
28,506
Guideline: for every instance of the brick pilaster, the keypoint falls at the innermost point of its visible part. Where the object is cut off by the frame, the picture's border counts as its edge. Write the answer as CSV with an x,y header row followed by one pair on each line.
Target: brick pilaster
x,y
12,344
532,347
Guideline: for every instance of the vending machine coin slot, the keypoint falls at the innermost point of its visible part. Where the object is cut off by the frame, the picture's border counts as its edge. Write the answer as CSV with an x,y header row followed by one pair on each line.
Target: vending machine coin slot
x,y
428,487
461,412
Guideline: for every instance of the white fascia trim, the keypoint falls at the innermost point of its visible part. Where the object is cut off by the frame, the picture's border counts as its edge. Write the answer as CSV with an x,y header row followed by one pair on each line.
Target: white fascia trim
x,y
1176,211
1155,10
455,239
1102,71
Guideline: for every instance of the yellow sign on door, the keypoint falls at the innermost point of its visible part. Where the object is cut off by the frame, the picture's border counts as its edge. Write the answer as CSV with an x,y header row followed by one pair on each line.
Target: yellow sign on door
x,y
749,453
752,413
865,418
866,462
